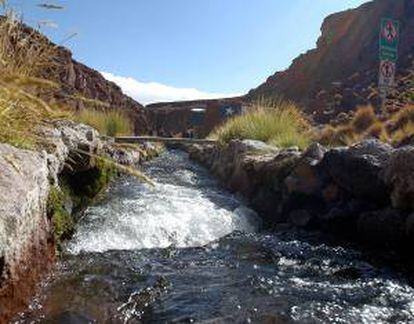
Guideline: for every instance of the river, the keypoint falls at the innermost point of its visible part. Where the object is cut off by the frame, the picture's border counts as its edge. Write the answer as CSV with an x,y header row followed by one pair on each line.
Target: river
x,y
188,251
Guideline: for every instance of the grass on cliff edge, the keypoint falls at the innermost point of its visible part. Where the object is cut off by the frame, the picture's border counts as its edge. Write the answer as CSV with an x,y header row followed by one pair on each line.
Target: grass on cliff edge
x,y
24,57
110,122
278,123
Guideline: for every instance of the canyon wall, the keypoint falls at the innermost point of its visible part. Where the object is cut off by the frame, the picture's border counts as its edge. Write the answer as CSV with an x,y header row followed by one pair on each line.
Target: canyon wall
x,y
342,71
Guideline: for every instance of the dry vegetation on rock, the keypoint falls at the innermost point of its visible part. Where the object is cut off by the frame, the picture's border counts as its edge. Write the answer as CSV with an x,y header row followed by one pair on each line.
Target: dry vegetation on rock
x,y
396,128
110,122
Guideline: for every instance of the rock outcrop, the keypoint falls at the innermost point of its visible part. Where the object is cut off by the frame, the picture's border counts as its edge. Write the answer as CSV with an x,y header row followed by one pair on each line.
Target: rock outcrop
x,y
342,71
81,86
25,230
79,81
363,192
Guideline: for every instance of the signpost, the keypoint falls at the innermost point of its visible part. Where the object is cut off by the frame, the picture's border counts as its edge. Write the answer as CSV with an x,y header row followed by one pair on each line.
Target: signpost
x,y
389,39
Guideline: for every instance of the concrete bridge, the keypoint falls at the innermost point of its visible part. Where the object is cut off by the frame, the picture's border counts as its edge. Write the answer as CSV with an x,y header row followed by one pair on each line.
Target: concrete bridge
x,y
166,140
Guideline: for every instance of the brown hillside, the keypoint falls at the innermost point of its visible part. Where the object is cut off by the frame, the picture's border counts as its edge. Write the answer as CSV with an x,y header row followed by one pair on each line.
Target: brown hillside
x,y
342,71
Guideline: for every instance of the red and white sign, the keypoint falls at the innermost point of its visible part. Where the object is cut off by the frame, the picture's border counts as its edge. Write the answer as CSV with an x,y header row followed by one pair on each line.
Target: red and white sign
x,y
387,70
390,31
386,77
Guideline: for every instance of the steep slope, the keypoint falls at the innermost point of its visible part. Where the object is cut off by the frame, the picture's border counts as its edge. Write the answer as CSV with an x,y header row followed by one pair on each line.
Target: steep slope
x,y
342,71
81,86
79,80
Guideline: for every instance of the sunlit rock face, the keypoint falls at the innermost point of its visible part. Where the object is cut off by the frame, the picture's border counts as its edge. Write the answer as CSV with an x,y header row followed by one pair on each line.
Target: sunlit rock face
x,y
27,242
342,71
25,231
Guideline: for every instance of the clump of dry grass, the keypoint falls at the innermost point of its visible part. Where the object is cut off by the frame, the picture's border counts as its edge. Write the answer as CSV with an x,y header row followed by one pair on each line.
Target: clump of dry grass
x,y
364,118
279,123
23,51
404,117
24,56
364,124
109,123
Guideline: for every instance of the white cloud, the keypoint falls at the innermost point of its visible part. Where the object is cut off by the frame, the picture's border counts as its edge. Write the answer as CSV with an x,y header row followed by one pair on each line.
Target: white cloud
x,y
152,92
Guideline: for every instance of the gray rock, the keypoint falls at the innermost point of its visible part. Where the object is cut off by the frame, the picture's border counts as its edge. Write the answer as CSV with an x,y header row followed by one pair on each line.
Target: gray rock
x,y
26,233
315,153
305,176
358,169
253,146
25,230
399,175
123,156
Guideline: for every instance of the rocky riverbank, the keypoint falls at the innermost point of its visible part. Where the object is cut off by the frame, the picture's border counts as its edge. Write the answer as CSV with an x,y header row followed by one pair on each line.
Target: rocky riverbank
x,y
41,192
363,193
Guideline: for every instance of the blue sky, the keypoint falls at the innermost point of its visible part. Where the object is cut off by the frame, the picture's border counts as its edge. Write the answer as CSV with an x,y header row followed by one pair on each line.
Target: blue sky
x,y
184,49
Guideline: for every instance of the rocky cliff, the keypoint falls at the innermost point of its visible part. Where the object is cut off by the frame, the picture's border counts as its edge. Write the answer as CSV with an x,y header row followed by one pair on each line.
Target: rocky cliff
x,y
81,86
79,81
342,71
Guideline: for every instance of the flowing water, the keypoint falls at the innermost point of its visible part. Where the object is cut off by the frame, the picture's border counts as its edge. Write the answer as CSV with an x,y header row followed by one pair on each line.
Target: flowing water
x,y
188,251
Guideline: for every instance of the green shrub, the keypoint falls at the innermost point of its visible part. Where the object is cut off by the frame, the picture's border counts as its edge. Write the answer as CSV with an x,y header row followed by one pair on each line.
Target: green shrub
x,y
110,123
278,123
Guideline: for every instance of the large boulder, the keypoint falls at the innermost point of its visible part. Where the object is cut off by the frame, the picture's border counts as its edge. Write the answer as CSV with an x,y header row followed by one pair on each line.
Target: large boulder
x,y
26,242
305,176
70,146
399,175
358,170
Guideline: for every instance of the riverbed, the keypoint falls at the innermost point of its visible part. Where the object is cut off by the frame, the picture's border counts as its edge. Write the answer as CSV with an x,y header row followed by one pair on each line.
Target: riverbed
x,y
186,250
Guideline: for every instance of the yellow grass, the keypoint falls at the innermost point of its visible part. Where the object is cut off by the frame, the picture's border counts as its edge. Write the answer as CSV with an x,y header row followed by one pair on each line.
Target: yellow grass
x,y
278,123
109,123
24,56
364,118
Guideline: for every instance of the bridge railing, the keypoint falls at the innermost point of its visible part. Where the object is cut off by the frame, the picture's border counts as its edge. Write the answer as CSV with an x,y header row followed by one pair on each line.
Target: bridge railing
x,y
172,140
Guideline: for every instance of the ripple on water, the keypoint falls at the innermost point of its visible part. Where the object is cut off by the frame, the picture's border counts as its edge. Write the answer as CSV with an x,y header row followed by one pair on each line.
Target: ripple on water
x,y
166,254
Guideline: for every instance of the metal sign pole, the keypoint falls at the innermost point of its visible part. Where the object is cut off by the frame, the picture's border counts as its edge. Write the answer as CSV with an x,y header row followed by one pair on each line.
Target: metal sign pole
x,y
388,41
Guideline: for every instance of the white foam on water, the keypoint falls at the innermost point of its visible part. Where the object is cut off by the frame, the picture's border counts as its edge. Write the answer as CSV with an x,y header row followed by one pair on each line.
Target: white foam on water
x,y
167,215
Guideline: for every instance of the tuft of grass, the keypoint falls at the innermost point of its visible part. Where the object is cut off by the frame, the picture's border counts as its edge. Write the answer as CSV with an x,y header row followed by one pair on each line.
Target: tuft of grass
x,y
404,133
364,124
279,123
109,123
24,51
364,118
379,131
404,117
25,56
